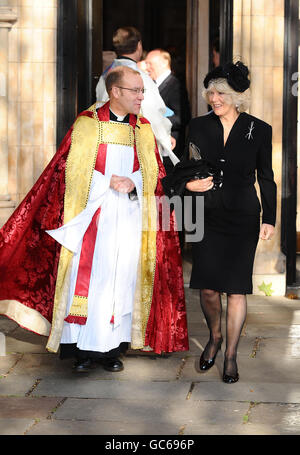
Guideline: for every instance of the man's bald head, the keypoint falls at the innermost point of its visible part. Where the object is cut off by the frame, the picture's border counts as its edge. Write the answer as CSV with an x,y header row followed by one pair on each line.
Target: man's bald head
x,y
158,61
117,75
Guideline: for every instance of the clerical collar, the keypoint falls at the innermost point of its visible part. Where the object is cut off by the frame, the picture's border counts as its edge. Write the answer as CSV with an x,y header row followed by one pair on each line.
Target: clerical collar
x,y
118,118
162,77
126,58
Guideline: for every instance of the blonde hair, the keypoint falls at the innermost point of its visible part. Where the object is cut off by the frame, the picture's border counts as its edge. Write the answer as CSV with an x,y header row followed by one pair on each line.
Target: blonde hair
x,y
240,99
166,56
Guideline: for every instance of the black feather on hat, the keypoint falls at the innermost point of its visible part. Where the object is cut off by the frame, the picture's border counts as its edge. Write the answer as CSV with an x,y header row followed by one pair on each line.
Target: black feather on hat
x,y
235,73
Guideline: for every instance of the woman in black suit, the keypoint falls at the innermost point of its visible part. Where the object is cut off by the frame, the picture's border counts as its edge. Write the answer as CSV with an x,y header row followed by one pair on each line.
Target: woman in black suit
x,y
241,145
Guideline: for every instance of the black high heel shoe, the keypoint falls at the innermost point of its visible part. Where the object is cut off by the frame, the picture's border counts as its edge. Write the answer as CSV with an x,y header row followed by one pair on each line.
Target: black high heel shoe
x,y
230,378
205,365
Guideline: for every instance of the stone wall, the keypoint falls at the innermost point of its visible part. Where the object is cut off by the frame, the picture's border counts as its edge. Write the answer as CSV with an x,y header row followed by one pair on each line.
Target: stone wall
x,y
28,140
259,42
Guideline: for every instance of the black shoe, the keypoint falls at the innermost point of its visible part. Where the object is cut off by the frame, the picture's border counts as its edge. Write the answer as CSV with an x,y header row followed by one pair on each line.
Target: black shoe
x,y
112,364
205,365
83,366
232,377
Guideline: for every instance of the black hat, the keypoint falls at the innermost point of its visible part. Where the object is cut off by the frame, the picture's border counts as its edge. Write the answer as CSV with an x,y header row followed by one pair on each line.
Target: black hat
x,y
235,73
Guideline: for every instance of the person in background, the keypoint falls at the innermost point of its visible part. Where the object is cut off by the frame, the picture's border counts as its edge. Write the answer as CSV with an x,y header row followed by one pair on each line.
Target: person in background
x,y
142,64
216,52
127,42
174,95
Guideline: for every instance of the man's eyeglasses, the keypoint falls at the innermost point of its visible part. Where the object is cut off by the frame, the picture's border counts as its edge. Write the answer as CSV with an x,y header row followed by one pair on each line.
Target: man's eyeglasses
x,y
135,90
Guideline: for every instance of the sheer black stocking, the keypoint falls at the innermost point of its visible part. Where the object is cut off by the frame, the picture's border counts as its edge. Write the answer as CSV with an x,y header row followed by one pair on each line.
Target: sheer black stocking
x,y
235,319
212,309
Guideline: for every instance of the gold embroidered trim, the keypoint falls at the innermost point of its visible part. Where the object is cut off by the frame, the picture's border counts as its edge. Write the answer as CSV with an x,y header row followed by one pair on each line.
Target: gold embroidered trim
x,y
145,145
116,133
78,178
113,132
79,306
80,166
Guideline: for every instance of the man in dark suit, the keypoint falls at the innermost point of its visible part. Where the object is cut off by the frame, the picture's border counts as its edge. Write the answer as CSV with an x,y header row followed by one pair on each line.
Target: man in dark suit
x,y
127,43
174,95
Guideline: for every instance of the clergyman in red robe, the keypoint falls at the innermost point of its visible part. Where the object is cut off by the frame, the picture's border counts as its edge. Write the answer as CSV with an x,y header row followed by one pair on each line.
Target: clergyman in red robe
x,y
81,259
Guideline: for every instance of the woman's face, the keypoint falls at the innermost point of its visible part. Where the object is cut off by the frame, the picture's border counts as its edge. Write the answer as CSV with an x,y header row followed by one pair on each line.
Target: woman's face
x,y
220,102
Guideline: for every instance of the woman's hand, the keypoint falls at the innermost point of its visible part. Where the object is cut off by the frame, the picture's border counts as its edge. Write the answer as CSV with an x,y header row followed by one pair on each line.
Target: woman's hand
x,y
266,231
200,185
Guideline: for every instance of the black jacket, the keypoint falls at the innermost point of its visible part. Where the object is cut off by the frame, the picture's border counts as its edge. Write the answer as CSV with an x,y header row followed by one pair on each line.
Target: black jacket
x,y
175,97
247,154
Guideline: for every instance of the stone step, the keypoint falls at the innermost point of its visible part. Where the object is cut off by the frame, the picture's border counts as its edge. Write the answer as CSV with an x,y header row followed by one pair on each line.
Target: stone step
x,y
5,197
7,204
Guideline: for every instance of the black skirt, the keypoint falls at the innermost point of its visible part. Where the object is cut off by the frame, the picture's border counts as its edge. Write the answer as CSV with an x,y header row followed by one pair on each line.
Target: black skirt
x,y
223,260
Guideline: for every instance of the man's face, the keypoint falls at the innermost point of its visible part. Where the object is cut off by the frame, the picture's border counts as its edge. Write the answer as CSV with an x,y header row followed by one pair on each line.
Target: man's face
x,y
156,65
129,95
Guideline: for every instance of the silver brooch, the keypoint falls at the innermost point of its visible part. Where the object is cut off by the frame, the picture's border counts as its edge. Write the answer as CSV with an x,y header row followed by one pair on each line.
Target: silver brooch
x,y
249,134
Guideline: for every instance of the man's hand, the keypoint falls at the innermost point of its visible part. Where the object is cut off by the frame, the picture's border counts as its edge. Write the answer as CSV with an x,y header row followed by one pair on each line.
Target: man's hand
x,y
121,184
173,142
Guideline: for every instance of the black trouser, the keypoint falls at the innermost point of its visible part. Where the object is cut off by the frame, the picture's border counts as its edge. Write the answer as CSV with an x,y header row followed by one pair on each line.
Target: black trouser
x,y
71,350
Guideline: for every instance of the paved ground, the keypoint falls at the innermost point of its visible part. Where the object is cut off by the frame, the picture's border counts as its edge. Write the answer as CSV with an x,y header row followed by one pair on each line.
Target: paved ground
x,y
160,395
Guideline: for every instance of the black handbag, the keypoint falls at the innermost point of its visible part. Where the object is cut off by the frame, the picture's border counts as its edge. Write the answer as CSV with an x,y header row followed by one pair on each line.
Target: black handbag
x,y
194,168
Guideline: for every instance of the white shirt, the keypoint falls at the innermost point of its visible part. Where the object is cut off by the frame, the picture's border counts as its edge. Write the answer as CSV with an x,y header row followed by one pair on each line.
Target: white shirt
x,y
162,77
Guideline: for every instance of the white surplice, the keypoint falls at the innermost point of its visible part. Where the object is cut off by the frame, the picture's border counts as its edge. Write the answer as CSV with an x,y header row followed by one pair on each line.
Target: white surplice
x,y
116,255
